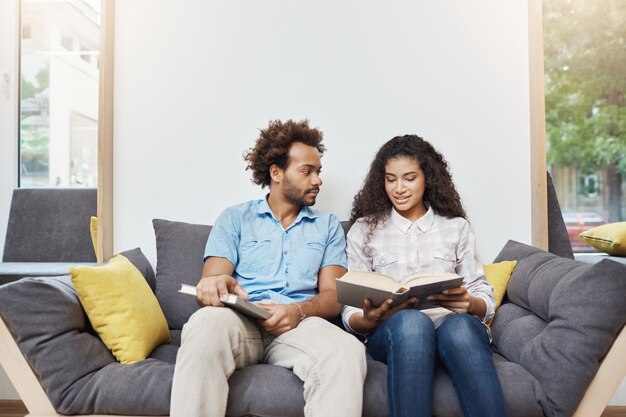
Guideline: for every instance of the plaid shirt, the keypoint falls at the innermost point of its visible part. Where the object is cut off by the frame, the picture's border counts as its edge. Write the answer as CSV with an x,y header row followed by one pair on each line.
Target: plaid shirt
x,y
432,244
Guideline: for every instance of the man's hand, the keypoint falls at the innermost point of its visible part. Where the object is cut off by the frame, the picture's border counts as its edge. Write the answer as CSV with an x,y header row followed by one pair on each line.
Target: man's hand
x,y
209,290
373,316
284,318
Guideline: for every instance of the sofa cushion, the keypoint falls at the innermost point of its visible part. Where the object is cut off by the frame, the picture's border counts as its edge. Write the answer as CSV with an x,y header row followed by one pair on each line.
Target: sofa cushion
x,y
561,319
522,394
268,390
50,225
137,258
81,376
121,308
180,249
558,238
167,351
76,369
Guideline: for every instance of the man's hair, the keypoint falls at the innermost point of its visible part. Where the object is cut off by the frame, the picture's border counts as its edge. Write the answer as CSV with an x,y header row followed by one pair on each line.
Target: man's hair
x,y
372,202
273,145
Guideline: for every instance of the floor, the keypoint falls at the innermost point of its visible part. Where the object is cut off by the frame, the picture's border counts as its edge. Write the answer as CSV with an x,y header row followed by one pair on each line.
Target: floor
x,y
614,411
12,408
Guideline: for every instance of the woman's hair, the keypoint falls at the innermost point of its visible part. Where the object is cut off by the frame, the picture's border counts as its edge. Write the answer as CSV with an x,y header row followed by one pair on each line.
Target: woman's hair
x,y
372,202
273,145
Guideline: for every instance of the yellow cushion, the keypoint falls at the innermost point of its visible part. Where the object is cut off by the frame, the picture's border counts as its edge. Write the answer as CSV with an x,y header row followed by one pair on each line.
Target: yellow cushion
x,y
93,228
498,276
609,238
121,308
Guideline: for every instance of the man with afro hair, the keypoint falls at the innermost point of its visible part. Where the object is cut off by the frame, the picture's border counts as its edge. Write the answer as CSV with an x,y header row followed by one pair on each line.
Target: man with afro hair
x,y
282,254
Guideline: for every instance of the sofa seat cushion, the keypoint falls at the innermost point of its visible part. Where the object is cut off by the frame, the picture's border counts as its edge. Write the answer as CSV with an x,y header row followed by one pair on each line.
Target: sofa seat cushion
x,y
81,376
522,393
268,390
167,351
561,319
140,388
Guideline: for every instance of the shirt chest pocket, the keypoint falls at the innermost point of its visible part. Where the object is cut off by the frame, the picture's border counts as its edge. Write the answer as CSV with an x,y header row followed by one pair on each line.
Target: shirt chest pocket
x,y
310,256
255,256
386,260
444,260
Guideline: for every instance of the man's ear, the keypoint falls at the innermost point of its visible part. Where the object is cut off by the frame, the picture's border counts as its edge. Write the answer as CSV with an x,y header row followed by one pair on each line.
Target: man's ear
x,y
276,173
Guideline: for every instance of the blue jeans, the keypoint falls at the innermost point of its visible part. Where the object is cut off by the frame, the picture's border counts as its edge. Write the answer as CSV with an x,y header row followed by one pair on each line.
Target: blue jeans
x,y
409,344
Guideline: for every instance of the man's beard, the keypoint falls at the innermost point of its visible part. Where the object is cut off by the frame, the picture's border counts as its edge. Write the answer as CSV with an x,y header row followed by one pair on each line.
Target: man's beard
x,y
295,195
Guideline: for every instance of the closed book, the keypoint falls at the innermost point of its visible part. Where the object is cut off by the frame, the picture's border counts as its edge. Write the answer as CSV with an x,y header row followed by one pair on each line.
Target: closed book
x,y
235,302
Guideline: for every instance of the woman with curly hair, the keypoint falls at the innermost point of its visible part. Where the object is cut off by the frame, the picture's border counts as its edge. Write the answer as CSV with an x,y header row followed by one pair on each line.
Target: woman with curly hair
x,y
408,218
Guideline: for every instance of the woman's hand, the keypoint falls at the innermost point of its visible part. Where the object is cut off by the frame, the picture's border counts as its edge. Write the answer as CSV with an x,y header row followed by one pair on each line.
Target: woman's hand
x,y
373,316
460,301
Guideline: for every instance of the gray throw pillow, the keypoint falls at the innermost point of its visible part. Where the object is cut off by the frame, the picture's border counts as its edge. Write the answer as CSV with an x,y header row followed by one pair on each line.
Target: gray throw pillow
x,y
560,320
180,249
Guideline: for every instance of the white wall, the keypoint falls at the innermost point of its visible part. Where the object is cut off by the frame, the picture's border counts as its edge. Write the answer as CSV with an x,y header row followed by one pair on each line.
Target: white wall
x,y
194,84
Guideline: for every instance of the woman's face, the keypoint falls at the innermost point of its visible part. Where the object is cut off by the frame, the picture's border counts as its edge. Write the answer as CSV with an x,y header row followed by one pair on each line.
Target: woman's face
x,y
405,184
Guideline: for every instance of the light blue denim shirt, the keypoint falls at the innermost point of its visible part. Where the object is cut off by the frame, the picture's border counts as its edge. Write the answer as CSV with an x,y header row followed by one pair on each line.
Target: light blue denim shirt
x,y
272,262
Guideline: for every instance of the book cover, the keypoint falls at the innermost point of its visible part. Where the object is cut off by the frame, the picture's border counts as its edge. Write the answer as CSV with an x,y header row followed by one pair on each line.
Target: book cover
x,y
234,302
355,286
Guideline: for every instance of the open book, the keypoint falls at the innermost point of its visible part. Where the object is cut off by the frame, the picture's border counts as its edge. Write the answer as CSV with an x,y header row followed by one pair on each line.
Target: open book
x,y
355,286
234,302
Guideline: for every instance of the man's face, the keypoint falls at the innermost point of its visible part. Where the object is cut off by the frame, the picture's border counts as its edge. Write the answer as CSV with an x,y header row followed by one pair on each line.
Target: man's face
x,y
301,179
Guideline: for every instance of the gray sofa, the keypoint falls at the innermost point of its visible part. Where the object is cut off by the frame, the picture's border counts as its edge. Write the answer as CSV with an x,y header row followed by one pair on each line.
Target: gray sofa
x,y
556,325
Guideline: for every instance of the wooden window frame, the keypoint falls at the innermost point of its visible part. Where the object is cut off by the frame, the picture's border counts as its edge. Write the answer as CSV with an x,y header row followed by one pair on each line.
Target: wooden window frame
x,y
538,168
105,133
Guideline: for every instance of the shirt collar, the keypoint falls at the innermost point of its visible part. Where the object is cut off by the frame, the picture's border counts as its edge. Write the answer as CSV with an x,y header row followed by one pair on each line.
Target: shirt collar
x,y
264,208
424,223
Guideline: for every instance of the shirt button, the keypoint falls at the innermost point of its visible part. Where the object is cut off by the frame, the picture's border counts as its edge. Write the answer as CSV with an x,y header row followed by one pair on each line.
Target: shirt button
x,y
287,285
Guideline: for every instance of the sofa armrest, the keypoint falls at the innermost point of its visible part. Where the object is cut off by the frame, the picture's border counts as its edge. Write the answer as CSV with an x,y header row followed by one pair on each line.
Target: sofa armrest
x,y
22,376
607,379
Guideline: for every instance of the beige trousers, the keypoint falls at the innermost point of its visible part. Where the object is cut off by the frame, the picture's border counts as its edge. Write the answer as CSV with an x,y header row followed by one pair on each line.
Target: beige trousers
x,y
216,341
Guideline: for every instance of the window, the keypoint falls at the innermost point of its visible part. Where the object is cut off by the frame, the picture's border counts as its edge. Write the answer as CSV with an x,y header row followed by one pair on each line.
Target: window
x,y
83,151
25,32
67,42
585,96
59,93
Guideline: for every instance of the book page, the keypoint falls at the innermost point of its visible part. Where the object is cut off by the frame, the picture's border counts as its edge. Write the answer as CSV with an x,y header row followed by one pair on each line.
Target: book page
x,y
371,279
423,279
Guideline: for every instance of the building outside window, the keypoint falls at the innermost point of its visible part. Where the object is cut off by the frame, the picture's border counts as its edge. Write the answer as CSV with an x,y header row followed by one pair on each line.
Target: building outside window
x,y
585,93
58,132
